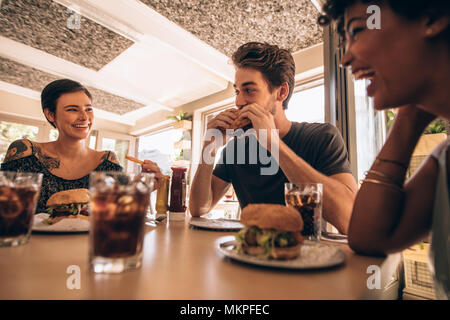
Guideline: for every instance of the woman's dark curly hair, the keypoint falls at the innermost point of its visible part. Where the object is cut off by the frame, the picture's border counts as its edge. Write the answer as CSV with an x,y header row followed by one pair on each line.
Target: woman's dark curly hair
x,y
334,10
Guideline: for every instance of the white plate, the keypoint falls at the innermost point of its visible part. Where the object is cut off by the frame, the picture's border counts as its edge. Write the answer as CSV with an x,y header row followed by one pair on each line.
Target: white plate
x,y
216,224
313,255
65,225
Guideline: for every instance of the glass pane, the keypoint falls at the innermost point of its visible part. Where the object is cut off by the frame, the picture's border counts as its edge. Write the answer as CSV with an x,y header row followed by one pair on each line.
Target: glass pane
x,y
307,105
10,131
93,139
109,144
370,128
54,134
120,147
159,148
92,142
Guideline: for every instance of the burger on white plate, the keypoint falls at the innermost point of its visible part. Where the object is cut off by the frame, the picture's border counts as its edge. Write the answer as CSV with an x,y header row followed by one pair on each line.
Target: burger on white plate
x,y
271,231
68,204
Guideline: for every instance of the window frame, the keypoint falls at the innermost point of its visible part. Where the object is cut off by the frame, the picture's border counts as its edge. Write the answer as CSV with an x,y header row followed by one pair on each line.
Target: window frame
x,y
310,83
118,136
156,130
43,126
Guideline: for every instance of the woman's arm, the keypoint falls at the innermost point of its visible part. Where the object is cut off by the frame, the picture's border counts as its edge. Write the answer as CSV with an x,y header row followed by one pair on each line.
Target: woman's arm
x,y
387,215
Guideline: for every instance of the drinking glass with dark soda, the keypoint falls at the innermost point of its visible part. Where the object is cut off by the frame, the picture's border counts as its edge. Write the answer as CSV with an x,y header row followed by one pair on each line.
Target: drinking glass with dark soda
x,y
19,192
119,203
306,198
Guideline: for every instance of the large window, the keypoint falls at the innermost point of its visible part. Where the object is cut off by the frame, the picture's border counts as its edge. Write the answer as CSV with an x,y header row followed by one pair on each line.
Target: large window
x,y
54,134
14,128
120,144
159,147
350,109
10,131
307,105
369,126
120,148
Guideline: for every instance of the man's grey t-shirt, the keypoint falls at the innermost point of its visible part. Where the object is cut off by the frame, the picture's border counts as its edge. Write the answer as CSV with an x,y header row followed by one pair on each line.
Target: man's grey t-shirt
x,y
319,144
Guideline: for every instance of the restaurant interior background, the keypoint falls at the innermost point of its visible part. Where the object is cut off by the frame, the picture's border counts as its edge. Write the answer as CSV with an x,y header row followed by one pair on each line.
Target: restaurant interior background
x,y
147,60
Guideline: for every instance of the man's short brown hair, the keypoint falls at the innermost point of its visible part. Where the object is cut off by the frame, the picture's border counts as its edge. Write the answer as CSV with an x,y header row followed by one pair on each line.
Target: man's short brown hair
x,y
277,65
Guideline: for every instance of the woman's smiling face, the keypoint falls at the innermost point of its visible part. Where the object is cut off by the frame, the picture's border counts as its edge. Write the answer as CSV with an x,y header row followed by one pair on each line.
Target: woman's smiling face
x,y
391,58
74,115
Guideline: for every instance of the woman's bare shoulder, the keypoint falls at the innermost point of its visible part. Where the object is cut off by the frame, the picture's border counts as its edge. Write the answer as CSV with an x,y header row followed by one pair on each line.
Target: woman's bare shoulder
x,y
19,149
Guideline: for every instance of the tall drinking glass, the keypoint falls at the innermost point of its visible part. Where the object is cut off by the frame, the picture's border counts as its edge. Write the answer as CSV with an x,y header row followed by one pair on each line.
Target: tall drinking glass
x,y
306,198
19,192
119,203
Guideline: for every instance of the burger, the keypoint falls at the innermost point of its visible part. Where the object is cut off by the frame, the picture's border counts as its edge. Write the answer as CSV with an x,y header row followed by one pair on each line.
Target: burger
x,y
243,123
68,204
271,231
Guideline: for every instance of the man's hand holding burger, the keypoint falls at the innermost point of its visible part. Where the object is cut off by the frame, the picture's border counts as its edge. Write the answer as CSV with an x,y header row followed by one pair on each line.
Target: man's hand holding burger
x,y
222,122
261,119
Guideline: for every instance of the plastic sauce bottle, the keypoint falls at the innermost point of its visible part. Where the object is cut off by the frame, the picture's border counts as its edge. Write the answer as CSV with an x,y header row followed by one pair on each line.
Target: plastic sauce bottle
x,y
177,208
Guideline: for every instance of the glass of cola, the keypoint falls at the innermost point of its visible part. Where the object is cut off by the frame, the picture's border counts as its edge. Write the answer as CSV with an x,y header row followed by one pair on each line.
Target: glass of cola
x,y
119,203
306,198
19,192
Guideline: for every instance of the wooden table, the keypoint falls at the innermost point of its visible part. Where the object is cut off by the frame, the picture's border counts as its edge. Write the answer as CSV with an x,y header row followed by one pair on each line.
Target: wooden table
x,y
179,262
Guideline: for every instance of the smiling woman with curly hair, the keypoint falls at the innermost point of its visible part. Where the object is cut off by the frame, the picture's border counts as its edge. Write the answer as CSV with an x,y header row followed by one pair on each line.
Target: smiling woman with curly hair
x,y
407,63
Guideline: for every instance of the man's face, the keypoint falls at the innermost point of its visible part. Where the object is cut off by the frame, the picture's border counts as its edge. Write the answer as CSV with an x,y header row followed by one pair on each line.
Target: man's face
x,y
252,87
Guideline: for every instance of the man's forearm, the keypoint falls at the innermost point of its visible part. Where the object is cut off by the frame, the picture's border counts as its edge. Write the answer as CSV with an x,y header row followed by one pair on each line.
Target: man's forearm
x,y
337,198
200,198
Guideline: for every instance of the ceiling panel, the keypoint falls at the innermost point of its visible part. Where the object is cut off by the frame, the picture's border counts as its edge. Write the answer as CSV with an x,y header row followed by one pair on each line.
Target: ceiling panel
x,y
225,25
30,78
43,24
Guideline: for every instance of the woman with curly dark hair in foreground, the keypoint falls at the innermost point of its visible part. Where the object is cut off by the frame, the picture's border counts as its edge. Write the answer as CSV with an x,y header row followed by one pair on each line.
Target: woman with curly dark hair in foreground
x,y
407,61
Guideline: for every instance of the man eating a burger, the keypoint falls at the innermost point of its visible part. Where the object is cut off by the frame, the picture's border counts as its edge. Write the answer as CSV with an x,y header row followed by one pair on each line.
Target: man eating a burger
x,y
303,152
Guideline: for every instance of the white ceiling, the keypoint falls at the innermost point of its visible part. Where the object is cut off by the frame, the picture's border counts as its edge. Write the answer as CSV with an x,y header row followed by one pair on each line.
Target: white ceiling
x,y
165,68
164,74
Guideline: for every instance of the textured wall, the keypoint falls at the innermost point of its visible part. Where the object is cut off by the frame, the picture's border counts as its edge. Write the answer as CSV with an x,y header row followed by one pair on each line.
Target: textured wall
x,y
226,24
43,24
